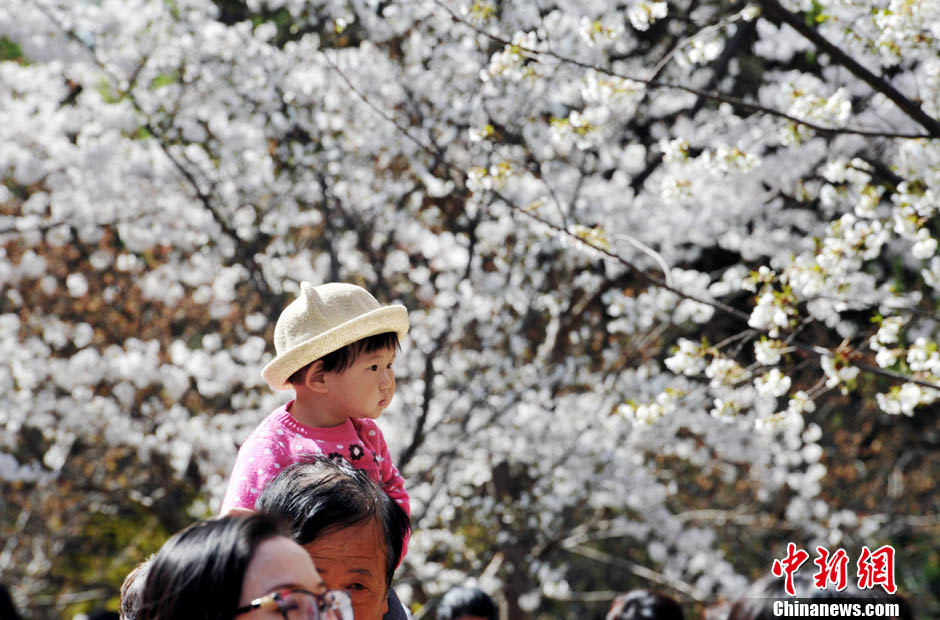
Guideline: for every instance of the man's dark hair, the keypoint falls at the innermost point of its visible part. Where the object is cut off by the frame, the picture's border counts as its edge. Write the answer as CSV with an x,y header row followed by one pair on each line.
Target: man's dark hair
x,y
198,573
318,495
644,605
7,608
344,357
460,602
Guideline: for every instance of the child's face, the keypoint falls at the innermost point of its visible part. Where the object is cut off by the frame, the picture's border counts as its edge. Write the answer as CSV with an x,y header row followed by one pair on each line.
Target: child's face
x,y
366,388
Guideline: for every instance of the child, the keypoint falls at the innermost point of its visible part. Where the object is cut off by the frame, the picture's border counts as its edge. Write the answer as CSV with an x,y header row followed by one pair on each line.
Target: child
x,y
335,346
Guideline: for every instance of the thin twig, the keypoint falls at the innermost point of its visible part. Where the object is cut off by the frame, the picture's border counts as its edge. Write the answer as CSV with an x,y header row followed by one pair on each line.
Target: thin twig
x,y
740,104
243,253
640,273
772,8
640,571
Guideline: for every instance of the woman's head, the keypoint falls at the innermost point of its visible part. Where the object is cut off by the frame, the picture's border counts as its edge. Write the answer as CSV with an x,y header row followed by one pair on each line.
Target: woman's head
x,y
132,590
353,531
215,569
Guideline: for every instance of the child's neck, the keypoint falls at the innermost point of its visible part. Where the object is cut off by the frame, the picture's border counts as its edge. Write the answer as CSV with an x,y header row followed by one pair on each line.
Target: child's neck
x,y
308,410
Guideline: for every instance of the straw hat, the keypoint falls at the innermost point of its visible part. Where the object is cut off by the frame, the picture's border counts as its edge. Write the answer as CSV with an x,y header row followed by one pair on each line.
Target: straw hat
x,y
323,319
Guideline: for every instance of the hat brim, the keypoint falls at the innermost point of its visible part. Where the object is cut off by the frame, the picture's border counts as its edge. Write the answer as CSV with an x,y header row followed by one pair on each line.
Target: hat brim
x,y
387,319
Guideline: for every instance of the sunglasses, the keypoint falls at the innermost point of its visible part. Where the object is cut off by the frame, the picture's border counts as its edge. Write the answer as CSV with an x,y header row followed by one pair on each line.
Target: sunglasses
x,y
299,604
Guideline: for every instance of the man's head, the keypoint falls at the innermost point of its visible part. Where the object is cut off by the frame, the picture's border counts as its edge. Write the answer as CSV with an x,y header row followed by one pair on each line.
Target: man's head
x,y
467,604
644,605
326,319
353,531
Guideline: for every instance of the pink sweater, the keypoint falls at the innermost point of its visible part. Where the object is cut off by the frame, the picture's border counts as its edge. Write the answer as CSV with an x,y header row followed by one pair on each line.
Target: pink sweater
x,y
280,439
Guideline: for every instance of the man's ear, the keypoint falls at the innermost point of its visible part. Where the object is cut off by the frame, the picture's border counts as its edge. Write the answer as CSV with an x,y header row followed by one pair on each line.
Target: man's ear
x,y
315,379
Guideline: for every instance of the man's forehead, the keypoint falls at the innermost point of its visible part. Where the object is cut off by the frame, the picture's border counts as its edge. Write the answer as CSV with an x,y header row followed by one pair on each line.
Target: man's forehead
x,y
360,544
350,552
352,563
330,562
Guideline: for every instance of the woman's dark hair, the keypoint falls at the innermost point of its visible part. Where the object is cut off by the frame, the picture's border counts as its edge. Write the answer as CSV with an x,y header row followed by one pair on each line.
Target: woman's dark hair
x,y
132,589
460,602
317,495
198,572
644,605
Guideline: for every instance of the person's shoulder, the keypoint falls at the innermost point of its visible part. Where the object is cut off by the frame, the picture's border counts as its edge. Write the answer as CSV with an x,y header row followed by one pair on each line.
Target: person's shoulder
x,y
396,610
368,430
271,429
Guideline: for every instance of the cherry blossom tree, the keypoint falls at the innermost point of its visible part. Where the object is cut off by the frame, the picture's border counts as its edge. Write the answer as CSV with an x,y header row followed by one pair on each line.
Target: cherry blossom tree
x,y
671,268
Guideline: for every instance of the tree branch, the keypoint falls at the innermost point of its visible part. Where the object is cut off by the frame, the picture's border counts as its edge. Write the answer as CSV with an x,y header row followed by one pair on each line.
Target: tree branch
x,y
641,274
773,9
640,571
711,96
417,436
243,252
